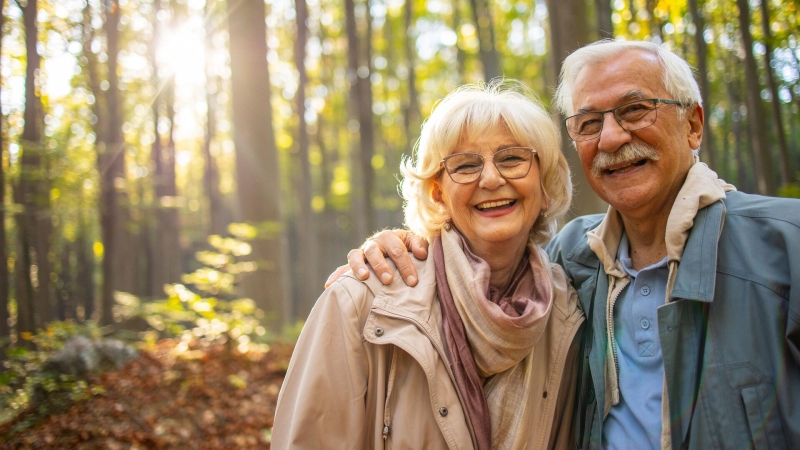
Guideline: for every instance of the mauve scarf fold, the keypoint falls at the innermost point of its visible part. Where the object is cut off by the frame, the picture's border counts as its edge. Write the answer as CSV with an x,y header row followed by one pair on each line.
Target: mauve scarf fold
x,y
490,336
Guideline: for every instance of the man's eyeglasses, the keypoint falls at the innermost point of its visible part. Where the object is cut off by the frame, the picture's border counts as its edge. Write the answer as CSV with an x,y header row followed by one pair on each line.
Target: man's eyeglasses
x,y
630,116
513,162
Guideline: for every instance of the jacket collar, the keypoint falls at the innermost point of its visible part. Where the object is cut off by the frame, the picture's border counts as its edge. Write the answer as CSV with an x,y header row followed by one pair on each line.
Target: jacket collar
x,y
693,231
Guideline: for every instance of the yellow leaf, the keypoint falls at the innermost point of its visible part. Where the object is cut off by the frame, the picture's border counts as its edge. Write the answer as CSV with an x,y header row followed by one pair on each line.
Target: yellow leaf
x,y
27,335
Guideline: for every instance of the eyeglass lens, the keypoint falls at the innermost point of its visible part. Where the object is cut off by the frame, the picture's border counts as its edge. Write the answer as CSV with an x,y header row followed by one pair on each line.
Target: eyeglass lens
x,y
631,116
512,163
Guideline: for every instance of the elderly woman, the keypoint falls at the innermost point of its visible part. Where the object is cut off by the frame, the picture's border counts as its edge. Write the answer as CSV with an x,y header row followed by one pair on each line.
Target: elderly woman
x,y
481,352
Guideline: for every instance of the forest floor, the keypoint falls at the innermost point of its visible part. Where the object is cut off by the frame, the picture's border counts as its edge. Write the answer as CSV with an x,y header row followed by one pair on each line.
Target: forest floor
x,y
201,398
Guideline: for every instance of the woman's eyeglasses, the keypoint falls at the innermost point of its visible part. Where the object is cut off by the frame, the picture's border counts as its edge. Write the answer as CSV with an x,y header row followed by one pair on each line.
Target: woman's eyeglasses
x,y
513,162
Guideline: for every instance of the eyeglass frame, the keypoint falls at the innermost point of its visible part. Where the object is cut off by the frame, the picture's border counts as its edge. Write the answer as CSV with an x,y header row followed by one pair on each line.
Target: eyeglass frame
x,y
483,164
613,112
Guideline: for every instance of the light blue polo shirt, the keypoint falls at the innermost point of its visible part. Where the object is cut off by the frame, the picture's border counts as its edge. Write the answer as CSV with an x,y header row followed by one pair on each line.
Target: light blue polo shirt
x,y
635,422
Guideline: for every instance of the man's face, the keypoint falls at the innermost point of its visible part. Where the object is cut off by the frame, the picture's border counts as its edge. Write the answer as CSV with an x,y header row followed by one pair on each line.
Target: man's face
x,y
638,172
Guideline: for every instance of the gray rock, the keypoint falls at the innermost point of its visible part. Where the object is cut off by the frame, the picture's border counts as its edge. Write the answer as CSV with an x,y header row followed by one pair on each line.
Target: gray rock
x,y
81,356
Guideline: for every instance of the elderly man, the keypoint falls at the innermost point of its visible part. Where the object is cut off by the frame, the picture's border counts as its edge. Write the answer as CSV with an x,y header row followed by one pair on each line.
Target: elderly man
x,y
692,289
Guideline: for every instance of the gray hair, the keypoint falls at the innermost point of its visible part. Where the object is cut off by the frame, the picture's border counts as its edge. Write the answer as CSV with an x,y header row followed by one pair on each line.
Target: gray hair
x,y
472,110
678,75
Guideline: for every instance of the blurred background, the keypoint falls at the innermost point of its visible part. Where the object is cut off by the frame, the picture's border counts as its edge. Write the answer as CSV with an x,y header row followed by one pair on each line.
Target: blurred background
x,y
193,154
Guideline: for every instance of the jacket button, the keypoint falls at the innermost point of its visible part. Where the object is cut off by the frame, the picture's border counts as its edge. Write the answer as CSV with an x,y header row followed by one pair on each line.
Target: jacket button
x,y
645,324
442,411
645,290
379,331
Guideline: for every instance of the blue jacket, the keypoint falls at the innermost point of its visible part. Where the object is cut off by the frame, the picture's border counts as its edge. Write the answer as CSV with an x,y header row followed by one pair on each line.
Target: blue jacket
x,y
730,336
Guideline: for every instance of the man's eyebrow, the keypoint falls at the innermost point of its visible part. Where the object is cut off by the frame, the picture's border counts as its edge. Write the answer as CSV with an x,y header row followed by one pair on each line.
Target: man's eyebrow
x,y
633,95
629,97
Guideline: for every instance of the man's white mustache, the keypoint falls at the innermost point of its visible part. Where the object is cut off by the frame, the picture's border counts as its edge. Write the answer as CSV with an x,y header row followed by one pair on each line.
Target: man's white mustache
x,y
631,152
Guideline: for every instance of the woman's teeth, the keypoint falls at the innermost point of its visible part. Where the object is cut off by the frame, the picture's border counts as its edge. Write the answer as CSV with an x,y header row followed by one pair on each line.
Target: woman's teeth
x,y
488,205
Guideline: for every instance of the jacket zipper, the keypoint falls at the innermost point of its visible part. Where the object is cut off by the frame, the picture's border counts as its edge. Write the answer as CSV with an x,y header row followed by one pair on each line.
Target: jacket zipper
x,y
615,291
419,325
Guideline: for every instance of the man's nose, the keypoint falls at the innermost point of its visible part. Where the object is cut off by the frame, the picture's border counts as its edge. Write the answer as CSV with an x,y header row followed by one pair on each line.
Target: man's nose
x,y
613,136
490,176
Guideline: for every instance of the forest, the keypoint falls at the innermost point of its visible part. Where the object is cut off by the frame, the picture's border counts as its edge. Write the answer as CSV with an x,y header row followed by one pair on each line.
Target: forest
x,y
194,169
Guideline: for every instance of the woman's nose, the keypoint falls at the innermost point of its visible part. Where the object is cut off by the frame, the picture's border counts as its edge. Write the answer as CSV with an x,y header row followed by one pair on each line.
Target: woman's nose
x,y
490,176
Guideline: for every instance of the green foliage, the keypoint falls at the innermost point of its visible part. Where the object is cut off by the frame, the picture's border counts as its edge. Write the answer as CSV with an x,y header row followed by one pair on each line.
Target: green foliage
x,y
790,190
22,376
209,311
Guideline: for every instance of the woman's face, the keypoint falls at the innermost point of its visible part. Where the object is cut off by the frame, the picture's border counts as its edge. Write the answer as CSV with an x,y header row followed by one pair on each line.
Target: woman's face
x,y
492,210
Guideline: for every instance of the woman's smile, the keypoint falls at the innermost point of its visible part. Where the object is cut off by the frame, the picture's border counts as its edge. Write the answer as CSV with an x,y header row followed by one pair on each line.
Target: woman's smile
x,y
496,208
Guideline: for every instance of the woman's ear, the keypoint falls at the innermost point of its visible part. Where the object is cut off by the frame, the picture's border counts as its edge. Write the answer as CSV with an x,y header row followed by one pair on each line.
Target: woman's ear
x,y
436,193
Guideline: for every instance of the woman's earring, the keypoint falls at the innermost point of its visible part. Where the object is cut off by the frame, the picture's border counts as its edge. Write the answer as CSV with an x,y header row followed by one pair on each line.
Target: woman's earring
x,y
544,214
447,226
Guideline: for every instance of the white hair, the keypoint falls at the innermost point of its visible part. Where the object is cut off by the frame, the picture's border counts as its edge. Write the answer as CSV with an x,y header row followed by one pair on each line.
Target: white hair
x,y
678,75
470,111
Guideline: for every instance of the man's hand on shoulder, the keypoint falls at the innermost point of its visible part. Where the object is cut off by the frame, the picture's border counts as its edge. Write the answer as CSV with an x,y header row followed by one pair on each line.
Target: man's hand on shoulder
x,y
392,243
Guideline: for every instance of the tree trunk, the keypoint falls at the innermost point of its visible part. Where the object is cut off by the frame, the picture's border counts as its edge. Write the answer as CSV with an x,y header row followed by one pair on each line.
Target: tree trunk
x,y
118,269
702,73
655,22
490,57
309,276
777,115
166,239
461,55
218,218
762,156
411,115
85,280
257,169
35,306
736,125
5,326
360,112
568,32
602,11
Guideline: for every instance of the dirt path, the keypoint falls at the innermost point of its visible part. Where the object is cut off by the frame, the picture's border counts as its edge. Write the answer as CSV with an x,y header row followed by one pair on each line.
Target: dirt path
x,y
197,399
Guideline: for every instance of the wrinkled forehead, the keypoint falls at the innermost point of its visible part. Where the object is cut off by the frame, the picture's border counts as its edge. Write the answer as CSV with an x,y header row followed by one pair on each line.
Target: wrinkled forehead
x,y
627,76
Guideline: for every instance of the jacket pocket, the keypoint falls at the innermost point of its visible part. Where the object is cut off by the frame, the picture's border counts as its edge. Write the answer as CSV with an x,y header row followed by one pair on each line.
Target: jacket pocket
x,y
760,401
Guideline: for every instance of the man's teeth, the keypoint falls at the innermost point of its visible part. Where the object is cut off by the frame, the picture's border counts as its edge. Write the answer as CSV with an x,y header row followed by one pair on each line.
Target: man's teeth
x,y
628,167
494,204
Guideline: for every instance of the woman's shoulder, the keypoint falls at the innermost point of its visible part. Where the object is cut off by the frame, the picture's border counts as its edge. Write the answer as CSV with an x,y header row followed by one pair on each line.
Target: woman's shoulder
x,y
361,294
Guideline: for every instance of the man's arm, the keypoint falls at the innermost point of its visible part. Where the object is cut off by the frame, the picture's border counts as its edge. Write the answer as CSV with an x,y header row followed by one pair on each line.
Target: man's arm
x,y
392,243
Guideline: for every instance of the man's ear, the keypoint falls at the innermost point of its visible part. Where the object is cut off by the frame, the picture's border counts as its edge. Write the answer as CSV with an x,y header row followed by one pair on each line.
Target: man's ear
x,y
696,118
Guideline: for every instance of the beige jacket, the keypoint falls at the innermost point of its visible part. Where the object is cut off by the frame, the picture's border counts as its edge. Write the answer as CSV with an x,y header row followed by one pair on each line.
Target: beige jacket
x,y
370,371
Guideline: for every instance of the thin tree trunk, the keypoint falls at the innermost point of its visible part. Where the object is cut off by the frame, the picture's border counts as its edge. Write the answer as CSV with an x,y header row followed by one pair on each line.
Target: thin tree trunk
x,y
33,223
777,115
736,124
461,55
257,167
306,229
411,113
762,156
490,57
655,23
217,215
85,281
360,112
602,10
116,260
568,32
5,326
702,73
